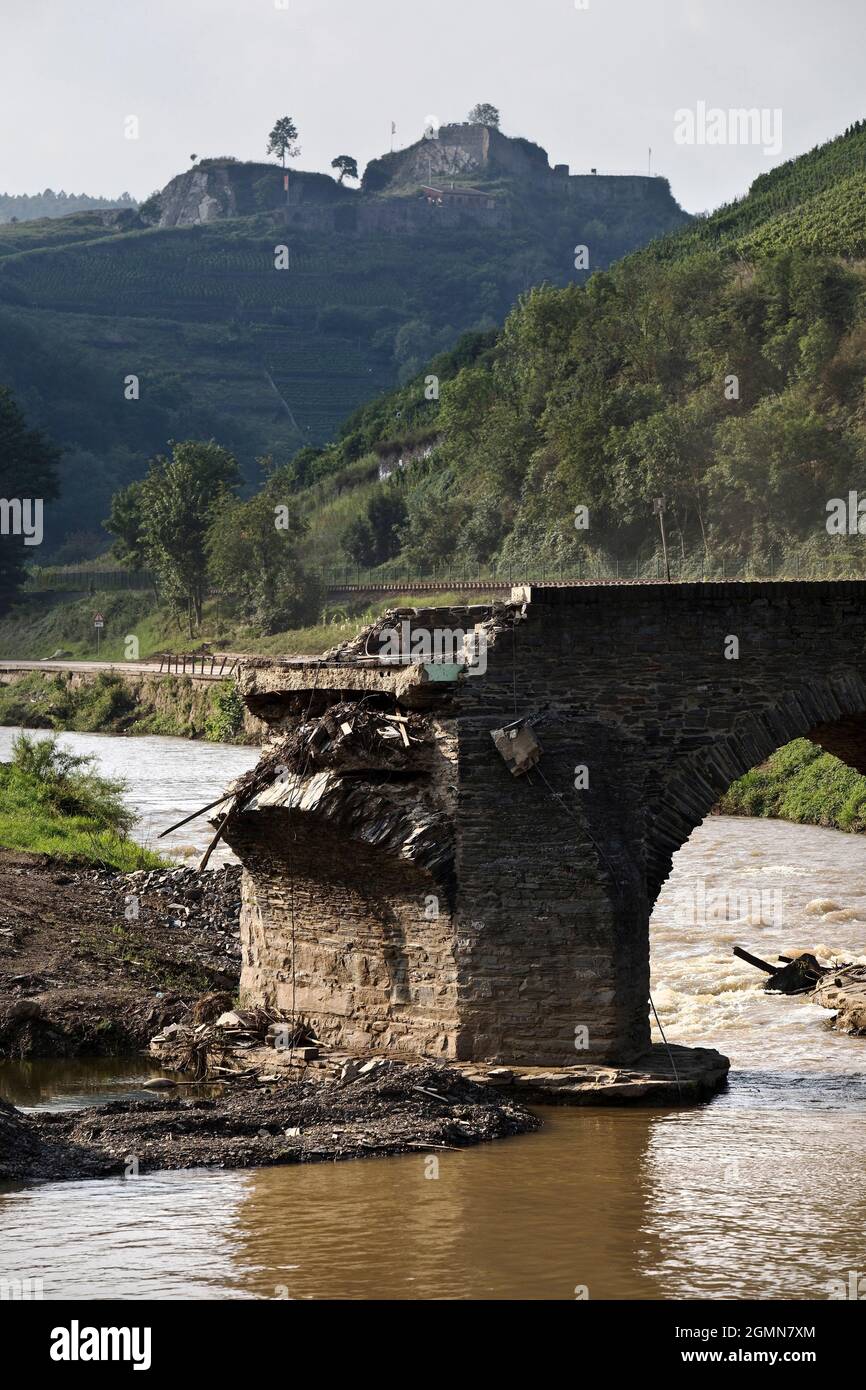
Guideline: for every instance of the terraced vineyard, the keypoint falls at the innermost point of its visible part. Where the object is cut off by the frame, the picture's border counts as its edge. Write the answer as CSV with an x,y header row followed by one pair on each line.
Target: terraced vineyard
x,y
816,201
833,221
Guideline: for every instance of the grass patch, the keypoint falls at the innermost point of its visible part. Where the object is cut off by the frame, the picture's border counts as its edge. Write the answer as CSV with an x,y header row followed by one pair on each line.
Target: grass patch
x,y
54,803
123,945
801,783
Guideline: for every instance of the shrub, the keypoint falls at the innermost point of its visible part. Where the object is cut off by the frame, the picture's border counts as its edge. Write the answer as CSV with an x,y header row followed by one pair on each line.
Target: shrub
x,y
65,784
227,719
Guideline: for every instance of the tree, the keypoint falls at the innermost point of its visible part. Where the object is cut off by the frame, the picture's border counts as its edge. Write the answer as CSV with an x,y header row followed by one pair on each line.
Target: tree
x,y
165,519
347,166
359,542
281,140
28,474
126,523
252,556
374,537
484,114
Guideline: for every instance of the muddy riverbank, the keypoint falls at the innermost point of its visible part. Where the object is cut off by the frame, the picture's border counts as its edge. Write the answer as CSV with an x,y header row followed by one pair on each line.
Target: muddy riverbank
x,y
392,1108
92,963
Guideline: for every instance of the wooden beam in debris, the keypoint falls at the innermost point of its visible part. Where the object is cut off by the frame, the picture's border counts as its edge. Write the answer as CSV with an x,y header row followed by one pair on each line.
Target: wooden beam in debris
x,y
217,837
195,815
754,960
401,721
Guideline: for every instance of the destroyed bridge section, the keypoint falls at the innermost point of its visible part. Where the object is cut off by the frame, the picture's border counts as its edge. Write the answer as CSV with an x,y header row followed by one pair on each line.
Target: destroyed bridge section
x,y
412,885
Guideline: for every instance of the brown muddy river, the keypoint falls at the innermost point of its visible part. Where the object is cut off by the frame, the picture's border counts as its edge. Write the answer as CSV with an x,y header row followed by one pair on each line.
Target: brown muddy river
x,y
761,1193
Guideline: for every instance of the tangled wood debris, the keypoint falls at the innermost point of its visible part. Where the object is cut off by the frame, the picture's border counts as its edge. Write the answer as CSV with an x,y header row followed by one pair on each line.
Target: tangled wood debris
x,y
839,987
207,1045
355,735
798,972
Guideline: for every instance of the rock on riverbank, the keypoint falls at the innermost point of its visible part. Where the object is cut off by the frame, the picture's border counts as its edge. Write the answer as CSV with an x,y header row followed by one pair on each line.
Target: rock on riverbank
x,y
393,1108
845,991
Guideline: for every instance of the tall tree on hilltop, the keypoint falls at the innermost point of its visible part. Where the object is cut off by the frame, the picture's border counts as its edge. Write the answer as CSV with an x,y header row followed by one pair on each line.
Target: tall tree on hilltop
x,y
347,166
484,114
281,140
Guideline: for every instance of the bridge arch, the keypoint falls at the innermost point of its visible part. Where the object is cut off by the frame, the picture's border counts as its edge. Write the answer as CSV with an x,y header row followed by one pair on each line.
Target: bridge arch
x,y
828,710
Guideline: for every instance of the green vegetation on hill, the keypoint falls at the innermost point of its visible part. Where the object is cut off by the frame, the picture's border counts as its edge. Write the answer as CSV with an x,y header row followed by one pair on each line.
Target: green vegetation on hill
x,y
801,783
729,383
28,479
263,360
812,201
54,803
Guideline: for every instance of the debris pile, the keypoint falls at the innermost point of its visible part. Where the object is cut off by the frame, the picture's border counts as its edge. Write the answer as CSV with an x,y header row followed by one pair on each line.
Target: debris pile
x,y
839,987
387,1108
211,1040
351,735
208,902
844,990
366,646
19,1145
798,972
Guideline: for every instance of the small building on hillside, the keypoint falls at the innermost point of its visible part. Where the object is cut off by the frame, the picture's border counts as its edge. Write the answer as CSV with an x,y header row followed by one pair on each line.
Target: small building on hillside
x,y
457,197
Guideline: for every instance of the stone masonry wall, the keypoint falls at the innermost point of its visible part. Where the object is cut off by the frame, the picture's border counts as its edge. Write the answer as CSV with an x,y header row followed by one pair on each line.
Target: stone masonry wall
x,y
547,924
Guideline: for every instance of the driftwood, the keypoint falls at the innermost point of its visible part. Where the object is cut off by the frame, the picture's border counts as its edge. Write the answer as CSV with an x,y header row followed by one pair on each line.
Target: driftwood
x,y
799,975
218,834
754,960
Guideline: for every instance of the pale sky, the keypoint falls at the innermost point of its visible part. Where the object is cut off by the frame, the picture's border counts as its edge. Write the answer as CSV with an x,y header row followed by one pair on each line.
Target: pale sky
x,y
594,86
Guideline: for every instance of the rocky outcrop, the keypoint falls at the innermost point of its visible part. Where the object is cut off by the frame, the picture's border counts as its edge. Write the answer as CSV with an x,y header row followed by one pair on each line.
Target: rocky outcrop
x,y
457,152
214,190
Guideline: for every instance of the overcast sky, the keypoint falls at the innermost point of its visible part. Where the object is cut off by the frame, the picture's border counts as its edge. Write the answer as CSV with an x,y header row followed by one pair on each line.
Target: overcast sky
x,y
595,86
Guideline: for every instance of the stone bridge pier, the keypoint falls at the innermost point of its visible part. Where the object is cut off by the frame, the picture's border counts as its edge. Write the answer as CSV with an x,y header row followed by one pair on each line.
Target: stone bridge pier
x,y
406,890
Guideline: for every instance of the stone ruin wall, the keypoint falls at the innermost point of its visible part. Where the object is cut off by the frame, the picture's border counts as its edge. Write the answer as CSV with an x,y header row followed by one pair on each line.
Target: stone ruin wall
x,y
372,928
525,948
370,969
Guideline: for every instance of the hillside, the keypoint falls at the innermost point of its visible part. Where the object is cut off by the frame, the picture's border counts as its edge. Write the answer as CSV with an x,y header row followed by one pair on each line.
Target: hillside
x,y
721,367
814,201
183,294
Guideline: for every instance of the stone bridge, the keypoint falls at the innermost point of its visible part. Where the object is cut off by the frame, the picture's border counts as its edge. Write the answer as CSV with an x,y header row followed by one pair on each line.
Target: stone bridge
x,y
409,891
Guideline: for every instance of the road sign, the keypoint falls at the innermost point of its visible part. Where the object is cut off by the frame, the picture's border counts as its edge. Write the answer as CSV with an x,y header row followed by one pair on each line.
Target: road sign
x,y
98,620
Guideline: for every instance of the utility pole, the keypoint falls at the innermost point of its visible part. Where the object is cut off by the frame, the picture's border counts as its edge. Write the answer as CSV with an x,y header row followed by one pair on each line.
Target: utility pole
x,y
649,167
659,509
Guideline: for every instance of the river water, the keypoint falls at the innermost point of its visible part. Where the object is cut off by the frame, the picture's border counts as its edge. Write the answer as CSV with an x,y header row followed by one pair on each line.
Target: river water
x,y
761,1193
